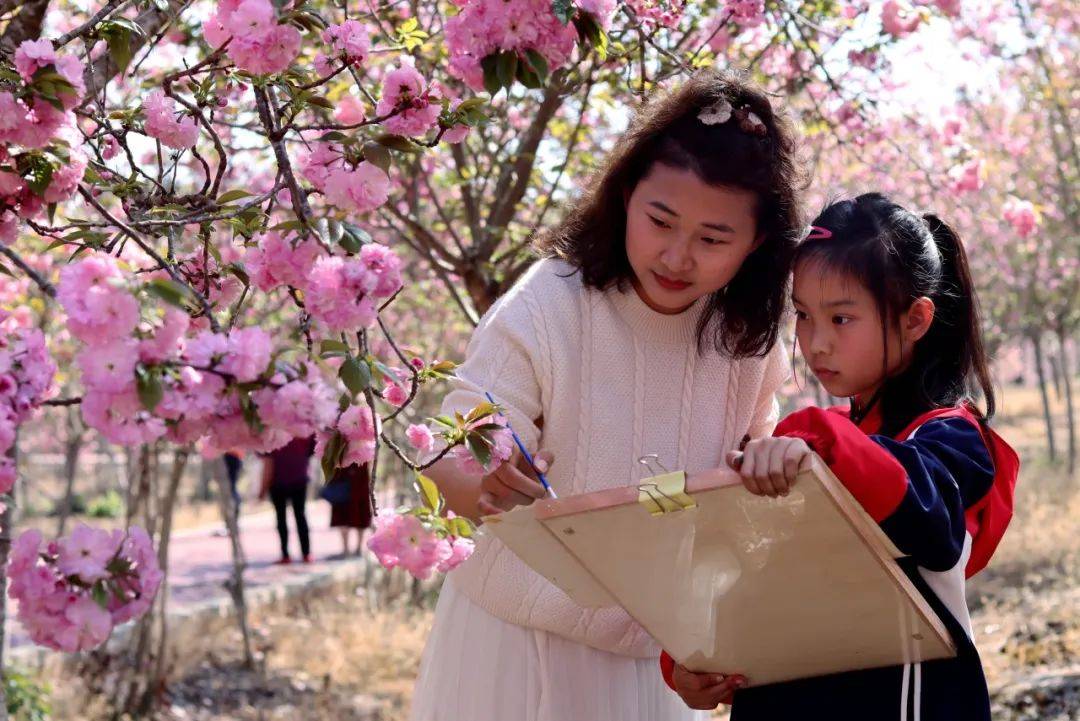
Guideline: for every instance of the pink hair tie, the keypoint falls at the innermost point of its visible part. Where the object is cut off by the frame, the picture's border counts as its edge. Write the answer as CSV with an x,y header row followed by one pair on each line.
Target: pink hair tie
x,y
819,233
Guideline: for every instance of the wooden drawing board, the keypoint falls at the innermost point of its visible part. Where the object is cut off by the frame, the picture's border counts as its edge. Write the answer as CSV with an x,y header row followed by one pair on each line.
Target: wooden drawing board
x,y
775,589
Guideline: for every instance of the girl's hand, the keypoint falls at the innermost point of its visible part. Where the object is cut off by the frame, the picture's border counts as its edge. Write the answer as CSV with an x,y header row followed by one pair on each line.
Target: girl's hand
x,y
705,691
513,483
769,466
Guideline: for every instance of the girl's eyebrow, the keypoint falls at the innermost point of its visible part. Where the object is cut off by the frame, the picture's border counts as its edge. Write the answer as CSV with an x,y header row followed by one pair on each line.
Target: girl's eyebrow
x,y
721,227
830,304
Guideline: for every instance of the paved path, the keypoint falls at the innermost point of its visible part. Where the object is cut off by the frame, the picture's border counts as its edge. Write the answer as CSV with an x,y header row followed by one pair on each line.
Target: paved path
x,y
200,561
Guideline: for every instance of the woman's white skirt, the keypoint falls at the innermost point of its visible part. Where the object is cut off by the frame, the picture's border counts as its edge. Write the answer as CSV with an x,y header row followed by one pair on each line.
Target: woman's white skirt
x,y
477,667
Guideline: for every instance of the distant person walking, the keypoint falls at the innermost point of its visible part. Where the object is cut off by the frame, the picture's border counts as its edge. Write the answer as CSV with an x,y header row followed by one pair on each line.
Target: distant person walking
x,y
285,480
355,511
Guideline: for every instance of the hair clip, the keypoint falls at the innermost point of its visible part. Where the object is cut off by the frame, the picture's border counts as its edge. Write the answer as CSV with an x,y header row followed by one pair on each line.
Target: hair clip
x,y
818,233
749,122
718,112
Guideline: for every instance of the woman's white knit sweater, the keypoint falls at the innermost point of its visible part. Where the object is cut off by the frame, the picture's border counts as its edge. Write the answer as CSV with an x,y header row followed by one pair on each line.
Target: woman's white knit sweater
x,y
613,380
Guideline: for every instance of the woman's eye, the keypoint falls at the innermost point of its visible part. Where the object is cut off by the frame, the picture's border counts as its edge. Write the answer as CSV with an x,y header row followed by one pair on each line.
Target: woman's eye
x,y
841,320
658,223
801,315
715,241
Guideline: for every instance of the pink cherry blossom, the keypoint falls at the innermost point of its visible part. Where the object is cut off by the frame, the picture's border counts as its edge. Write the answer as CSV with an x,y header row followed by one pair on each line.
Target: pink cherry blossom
x,y
395,395
99,308
420,437
258,44
349,111
360,190
484,27
350,40
402,540
109,367
967,177
1020,214
162,122
32,55
339,294
405,91
86,553
460,550
280,259
899,18
247,353
302,406
55,584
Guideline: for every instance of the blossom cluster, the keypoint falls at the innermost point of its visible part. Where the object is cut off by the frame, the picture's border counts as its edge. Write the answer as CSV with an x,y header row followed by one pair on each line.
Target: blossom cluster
x,y
26,379
73,591
402,540
31,124
256,41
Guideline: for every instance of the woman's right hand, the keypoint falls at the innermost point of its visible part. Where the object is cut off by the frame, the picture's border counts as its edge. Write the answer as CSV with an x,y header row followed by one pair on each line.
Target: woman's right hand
x,y
513,483
705,691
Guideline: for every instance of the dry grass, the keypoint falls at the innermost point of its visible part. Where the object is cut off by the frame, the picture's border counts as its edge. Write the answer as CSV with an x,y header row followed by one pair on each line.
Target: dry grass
x,y
343,640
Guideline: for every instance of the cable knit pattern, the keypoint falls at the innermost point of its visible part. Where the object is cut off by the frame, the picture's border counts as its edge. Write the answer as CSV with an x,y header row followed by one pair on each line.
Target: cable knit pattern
x,y
613,381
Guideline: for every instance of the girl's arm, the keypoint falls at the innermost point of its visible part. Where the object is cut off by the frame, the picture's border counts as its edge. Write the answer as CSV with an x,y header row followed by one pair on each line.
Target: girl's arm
x,y
918,490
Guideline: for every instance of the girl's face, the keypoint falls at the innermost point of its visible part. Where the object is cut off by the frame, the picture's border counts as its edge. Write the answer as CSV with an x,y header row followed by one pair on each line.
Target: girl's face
x,y
686,238
839,331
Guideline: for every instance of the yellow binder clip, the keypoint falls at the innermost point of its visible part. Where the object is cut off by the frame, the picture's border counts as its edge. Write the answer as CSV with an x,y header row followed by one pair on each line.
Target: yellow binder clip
x,y
664,493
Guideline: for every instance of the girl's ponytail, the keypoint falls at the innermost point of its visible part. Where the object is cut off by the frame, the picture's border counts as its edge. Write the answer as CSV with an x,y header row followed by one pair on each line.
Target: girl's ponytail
x,y
958,309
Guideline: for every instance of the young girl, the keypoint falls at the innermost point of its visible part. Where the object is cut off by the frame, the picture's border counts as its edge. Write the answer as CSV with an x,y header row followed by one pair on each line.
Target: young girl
x,y
886,315
649,326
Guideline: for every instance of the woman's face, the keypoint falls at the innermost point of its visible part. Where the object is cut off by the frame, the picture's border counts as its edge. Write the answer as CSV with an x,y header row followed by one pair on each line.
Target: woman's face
x,y
686,238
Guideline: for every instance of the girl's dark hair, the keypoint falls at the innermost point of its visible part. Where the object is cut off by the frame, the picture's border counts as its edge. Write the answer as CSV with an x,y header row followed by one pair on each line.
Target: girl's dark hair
x,y
899,256
667,130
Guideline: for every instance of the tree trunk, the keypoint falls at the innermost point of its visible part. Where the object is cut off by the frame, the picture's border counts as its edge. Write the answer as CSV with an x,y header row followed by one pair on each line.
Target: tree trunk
x,y
1036,345
1066,382
235,584
72,448
1055,364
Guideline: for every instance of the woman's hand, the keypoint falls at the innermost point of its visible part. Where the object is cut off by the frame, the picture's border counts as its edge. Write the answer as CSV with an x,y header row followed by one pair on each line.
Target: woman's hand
x,y
513,483
705,691
769,466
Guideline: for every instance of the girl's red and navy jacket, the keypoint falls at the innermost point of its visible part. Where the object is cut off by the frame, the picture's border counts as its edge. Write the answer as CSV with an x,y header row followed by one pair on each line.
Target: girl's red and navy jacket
x,y
942,490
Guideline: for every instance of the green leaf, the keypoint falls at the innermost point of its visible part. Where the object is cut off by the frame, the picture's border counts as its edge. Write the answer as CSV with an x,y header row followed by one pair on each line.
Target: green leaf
x,y
320,101
490,64
445,421
148,384
564,10
100,595
429,492
333,346
230,195
399,143
460,527
332,455
483,410
168,290
239,272
537,63
355,375
506,68
118,40
479,447
378,155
